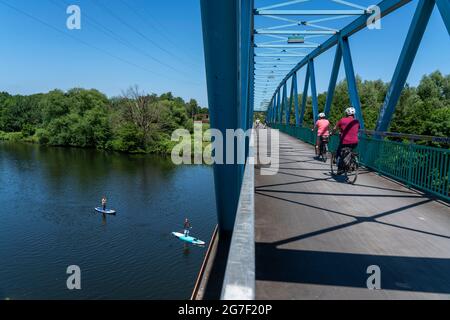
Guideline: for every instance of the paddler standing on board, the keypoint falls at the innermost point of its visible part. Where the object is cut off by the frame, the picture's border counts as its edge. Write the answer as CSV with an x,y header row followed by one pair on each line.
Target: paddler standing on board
x,y
187,226
104,203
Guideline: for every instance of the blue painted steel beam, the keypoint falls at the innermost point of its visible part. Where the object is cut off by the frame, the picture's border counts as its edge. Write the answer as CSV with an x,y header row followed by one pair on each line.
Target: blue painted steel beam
x,y
333,80
265,73
223,25
246,60
294,32
286,46
291,97
409,51
273,62
304,97
248,30
351,80
280,55
444,9
286,105
294,98
279,111
315,104
261,68
283,105
273,111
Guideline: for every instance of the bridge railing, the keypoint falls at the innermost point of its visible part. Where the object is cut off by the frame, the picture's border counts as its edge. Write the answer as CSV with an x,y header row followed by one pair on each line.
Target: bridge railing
x,y
239,280
422,167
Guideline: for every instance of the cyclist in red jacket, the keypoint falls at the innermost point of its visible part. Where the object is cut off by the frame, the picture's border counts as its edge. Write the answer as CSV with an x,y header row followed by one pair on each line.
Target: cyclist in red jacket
x,y
349,129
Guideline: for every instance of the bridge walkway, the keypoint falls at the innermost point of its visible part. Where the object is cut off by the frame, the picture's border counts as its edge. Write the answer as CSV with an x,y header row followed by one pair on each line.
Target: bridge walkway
x,y
316,235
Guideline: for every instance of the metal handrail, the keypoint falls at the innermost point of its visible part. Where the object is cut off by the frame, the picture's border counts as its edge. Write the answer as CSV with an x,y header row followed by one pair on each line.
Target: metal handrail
x,y
411,137
422,167
239,280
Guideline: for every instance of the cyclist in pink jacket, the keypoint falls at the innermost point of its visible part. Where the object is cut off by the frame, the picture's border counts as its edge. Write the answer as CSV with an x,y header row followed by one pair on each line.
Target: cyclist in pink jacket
x,y
323,131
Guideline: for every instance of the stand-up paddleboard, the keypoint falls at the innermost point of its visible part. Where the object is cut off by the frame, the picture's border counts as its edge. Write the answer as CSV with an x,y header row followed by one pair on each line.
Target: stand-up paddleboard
x,y
110,212
188,239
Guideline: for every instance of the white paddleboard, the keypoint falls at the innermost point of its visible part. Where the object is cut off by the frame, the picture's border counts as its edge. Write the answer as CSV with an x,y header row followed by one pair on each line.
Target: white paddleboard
x,y
111,212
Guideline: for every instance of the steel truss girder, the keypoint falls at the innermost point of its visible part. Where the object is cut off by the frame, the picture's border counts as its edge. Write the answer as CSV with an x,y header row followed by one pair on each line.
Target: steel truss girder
x,y
386,7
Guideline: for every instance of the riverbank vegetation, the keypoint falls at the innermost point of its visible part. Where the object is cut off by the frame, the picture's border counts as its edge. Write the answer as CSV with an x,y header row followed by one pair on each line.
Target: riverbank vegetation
x,y
135,122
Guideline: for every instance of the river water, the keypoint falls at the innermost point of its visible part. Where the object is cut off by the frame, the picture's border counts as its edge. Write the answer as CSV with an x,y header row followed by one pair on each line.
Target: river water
x,y
47,223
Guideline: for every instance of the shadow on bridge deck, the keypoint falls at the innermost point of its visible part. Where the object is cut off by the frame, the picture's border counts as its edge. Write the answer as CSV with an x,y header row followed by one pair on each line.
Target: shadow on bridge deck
x,y
316,236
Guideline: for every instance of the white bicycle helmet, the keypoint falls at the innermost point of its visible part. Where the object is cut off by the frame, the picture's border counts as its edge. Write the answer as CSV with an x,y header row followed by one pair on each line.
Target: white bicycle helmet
x,y
322,115
350,111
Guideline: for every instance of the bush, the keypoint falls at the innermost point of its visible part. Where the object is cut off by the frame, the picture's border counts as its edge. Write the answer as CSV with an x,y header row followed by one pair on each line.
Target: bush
x,y
11,136
128,138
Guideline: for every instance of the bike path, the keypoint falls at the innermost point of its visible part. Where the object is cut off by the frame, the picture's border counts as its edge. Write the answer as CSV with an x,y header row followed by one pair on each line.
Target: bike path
x,y
316,236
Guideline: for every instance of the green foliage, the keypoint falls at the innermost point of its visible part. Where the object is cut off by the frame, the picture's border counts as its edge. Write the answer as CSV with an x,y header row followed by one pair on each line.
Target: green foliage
x,y
11,136
134,123
128,138
425,110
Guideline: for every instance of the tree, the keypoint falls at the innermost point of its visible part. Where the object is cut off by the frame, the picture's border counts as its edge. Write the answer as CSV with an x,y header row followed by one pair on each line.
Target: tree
x,y
143,111
192,108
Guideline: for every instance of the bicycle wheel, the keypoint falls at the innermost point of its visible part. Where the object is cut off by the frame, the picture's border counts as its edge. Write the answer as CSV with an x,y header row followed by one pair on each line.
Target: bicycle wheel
x,y
334,167
325,152
352,173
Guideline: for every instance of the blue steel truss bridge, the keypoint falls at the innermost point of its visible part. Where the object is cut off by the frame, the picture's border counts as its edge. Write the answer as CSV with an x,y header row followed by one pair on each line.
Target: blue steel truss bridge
x,y
303,233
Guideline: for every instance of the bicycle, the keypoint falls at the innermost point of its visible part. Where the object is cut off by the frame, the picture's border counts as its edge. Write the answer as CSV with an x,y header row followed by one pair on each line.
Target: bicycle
x,y
350,166
323,148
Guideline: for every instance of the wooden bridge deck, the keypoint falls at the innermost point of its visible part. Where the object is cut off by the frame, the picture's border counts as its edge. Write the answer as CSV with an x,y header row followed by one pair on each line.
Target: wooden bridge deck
x,y
316,236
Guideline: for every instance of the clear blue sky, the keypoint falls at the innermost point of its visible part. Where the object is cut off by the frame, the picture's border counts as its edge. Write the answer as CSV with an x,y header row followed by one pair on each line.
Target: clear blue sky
x,y
116,48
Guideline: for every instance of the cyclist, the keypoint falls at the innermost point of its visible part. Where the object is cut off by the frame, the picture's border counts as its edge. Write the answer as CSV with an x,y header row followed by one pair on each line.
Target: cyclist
x,y
349,128
323,131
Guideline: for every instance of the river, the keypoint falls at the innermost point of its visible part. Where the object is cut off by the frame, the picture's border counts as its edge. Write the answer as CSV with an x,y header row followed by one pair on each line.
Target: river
x,y
47,196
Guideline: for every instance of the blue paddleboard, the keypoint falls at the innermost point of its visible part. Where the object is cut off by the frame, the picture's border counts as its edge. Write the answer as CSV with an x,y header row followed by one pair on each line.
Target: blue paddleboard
x,y
188,239
111,212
